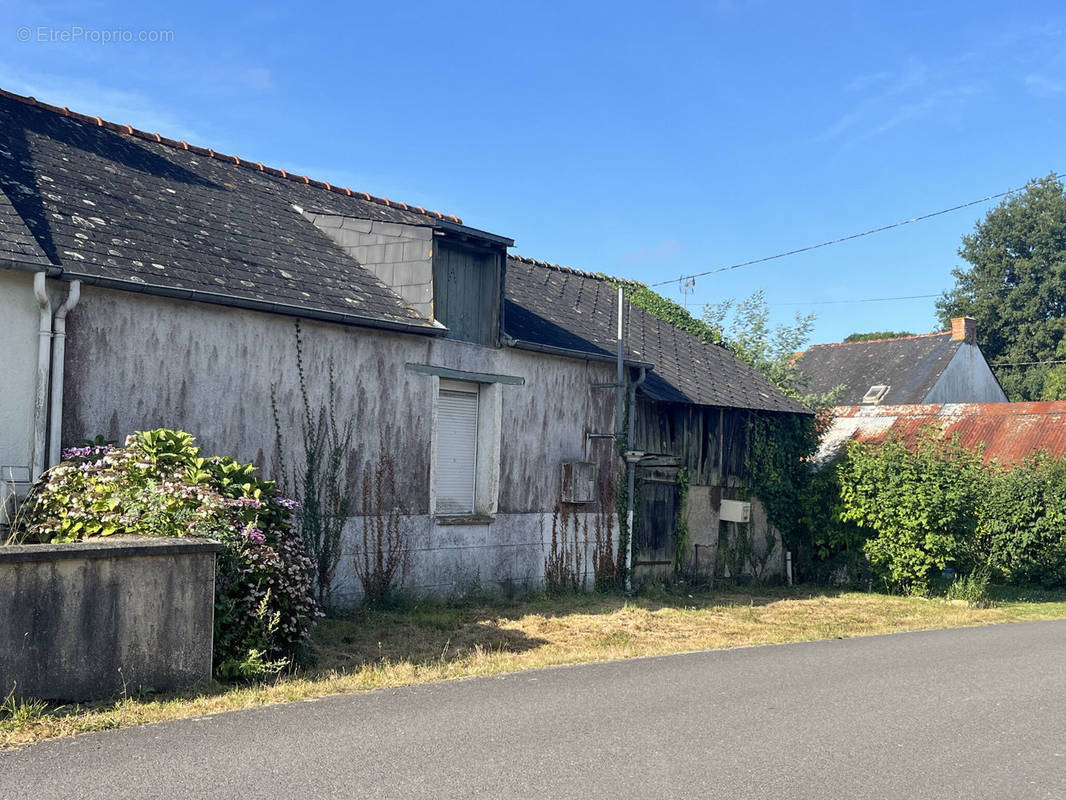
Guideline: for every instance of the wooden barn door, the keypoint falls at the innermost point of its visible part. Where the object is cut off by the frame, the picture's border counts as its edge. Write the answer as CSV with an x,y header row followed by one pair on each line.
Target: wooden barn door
x,y
655,523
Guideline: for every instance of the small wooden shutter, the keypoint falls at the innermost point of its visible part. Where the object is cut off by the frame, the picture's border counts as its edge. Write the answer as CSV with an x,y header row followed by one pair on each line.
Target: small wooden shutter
x,y
456,448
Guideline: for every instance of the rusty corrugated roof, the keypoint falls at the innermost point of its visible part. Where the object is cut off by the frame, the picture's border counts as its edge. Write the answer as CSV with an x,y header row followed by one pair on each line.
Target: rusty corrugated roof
x,y
1008,432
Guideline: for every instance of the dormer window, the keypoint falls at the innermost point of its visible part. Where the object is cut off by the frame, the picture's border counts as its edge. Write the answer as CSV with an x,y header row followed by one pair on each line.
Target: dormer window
x,y
876,394
444,271
466,290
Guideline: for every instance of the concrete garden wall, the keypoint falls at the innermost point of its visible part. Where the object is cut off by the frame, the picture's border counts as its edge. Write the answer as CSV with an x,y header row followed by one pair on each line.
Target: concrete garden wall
x,y
101,618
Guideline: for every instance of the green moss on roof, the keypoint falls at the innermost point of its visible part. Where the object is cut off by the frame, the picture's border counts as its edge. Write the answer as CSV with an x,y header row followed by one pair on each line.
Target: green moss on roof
x,y
667,310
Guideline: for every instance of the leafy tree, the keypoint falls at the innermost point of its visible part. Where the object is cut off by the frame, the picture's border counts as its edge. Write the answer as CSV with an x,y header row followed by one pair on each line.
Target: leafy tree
x,y
1015,287
869,337
1054,383
744,328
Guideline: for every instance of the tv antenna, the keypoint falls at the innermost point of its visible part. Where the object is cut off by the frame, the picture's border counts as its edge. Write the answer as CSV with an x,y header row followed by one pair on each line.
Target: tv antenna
x,y
686,286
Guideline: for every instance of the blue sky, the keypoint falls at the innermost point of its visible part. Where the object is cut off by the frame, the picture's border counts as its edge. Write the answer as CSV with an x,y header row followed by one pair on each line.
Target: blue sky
x,y
642,140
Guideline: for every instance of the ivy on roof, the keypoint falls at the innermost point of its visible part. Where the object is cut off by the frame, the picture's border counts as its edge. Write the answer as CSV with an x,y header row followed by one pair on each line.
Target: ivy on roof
x,y
667,310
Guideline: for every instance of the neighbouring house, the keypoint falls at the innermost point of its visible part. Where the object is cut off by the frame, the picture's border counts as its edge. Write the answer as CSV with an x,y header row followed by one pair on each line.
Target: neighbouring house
x,y
146,282
1005,432
931,368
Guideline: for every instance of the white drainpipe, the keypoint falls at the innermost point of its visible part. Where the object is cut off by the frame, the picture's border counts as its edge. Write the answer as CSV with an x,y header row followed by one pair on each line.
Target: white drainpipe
x,y
44,352
58,353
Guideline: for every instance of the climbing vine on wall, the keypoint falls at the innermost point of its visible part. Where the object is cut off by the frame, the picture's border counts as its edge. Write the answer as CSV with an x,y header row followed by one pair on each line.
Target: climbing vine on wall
x,y
778,460
682,538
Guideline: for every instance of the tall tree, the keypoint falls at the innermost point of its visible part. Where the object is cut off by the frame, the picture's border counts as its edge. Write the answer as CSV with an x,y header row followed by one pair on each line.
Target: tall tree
x,y
744,327
1015,287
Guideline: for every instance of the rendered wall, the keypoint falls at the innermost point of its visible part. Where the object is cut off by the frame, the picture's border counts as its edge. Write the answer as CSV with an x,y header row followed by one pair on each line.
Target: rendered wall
x,y
967,379
19,317
136,362
96,619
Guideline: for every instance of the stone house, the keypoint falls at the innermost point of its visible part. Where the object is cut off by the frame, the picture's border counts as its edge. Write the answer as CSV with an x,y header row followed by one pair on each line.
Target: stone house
x,y
146,282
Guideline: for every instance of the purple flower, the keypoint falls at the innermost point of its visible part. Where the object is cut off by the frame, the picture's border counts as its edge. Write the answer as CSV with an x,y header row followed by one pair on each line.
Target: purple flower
x,y
87,452
253,534
286,502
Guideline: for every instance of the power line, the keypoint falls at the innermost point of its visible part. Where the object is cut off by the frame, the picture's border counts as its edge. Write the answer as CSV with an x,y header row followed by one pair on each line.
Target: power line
x,y
863,300
995,289
1024,363
808,248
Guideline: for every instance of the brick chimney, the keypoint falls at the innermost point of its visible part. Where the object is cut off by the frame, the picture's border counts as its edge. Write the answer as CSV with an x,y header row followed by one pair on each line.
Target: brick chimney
x,y
964,329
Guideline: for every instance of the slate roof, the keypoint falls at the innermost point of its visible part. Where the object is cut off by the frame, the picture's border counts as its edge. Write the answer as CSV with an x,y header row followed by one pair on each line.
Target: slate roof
x,y
112,204
561,307
16,241
909,366
1007,432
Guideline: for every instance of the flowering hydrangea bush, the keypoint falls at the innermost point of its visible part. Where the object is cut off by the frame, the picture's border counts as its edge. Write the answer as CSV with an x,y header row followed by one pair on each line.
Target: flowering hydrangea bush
x,y
159,485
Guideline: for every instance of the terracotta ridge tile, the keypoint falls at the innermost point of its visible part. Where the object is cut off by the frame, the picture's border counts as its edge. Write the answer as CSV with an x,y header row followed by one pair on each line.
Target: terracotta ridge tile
x,y
129,130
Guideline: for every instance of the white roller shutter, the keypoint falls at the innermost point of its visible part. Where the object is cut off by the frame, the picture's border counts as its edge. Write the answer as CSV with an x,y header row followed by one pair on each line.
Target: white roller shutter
x,y
456,449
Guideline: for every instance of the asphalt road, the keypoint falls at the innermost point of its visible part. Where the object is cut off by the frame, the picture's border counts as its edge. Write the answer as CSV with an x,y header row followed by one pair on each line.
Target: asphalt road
x,y
969,713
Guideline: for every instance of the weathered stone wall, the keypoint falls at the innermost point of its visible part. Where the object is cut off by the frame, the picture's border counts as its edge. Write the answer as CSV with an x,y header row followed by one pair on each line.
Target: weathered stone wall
x,y
137,362
101,618
707,532
507,555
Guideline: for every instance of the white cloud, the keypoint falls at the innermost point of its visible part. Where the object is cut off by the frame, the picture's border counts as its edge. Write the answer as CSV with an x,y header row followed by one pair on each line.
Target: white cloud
x,y
914,93
1043,85
860,82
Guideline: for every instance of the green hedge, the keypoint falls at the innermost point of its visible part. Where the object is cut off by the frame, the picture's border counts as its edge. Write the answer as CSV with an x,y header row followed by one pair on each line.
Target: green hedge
x,y
935,504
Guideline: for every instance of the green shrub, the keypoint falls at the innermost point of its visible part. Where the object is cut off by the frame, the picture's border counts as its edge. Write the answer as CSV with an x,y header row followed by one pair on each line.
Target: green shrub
x,y
159,485
1022,524
832,547
972,588
920,502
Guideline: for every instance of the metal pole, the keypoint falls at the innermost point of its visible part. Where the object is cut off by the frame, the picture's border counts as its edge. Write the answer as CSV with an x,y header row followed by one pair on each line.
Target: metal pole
x,y
619,391
631,474
619,416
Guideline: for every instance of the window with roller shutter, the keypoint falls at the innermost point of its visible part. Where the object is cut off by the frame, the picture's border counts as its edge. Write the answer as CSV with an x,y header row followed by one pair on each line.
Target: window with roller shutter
x,y
457,416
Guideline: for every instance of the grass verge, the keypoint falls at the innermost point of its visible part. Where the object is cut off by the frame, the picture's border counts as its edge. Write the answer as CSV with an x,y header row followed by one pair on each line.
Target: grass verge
x,y
432,642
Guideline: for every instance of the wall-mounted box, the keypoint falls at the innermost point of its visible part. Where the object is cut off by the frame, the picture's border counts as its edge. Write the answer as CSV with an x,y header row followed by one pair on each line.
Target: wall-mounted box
x,y
579,482
735,511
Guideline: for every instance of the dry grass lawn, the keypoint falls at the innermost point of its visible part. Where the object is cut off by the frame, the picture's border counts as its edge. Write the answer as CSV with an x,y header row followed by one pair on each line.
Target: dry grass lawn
x,y
373,650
